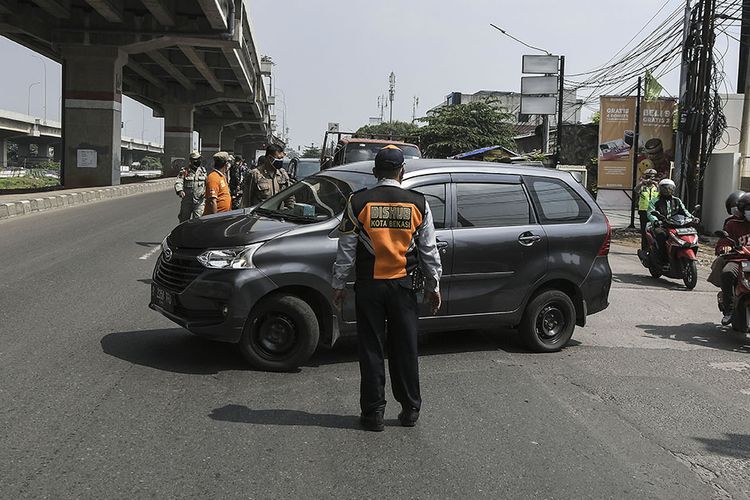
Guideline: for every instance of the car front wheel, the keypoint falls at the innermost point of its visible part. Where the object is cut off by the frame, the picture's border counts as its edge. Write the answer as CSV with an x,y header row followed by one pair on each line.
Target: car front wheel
x,y
281,333
548,322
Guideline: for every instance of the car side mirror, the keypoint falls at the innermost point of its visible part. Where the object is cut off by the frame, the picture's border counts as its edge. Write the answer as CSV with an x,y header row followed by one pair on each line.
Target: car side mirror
x,y
721,234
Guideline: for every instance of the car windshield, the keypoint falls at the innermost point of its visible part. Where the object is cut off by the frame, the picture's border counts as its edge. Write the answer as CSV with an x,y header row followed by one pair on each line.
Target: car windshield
x,y
307,168
316,198
366,151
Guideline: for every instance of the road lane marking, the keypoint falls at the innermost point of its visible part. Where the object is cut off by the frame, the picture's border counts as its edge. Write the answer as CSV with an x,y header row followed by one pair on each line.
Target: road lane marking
x,y
150,253
734,366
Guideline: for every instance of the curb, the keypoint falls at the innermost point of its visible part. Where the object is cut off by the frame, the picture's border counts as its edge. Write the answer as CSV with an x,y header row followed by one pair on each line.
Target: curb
x,y
24,207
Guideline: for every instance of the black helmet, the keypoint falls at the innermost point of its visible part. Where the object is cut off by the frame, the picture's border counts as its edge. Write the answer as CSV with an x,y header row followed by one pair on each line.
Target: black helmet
x,y
732,200
743,202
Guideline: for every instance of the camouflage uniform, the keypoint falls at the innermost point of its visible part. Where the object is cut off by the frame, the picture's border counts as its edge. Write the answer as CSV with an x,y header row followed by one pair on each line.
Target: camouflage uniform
x,y
193,183
263,182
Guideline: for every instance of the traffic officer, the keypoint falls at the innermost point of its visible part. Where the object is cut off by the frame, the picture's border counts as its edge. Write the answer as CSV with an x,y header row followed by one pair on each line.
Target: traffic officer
x,y
646,190
191,187
267,179
388,236
235,182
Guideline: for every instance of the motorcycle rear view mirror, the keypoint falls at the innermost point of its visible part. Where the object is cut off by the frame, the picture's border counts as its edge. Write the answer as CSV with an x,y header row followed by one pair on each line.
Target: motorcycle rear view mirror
x,y
697,210
721,234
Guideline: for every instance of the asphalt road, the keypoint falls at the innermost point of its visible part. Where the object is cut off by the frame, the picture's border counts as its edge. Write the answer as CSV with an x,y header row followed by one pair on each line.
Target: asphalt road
x,y
102,398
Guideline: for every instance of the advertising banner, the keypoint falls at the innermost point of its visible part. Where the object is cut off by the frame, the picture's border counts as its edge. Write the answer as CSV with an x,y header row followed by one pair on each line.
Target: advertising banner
x,y
616,131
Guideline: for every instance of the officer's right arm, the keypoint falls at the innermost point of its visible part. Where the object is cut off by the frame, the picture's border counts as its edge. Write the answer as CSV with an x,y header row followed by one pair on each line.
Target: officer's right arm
x,y
178,185
429,256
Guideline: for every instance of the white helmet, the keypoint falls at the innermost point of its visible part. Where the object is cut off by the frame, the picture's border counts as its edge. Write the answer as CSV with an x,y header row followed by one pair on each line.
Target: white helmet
x,y
667,187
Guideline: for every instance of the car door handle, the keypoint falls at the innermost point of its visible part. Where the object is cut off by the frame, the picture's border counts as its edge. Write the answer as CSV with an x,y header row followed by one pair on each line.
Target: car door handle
x,y
442,244
527,239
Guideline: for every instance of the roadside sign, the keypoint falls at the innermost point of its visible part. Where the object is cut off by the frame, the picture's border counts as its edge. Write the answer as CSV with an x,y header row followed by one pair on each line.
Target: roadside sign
x,y
333,127
532,85
542,65
538,105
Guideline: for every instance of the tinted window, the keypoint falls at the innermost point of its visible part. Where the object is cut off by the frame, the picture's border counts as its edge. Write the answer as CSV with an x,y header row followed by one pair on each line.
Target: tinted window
x,y
557,203
366,151
491,205
435,196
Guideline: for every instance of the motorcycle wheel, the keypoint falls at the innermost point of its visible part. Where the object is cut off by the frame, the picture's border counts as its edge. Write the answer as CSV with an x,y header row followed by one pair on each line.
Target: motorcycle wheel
x,y
690,274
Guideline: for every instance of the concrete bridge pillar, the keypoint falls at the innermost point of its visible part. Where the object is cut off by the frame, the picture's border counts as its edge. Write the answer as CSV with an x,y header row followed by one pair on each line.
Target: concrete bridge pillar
x,y
92,89
228,136
178,135
24,153
3,154
127,157
58,153
210,132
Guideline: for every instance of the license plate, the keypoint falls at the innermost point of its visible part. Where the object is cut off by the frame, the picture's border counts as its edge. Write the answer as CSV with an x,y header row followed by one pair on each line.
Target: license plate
x,y
686,230
162,298
746,266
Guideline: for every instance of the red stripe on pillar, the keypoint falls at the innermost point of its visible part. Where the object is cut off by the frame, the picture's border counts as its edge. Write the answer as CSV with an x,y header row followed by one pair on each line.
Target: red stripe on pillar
x,y
93,96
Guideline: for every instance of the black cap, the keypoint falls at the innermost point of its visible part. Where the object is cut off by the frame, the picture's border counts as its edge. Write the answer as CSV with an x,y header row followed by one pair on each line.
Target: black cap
x,y
390,157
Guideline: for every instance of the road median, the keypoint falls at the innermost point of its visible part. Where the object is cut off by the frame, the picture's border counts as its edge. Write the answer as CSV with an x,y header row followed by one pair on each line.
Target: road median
x,y
14,205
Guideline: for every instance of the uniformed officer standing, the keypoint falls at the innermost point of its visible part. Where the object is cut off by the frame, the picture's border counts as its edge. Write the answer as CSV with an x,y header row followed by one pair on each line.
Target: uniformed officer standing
x,y
387,233
191,187
267,179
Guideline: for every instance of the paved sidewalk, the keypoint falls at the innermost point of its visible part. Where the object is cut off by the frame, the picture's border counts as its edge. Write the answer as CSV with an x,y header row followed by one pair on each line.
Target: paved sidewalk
x,y
13,205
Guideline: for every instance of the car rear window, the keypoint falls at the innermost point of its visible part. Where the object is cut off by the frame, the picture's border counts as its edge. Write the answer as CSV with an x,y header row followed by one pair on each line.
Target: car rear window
x,y
556,202
491,205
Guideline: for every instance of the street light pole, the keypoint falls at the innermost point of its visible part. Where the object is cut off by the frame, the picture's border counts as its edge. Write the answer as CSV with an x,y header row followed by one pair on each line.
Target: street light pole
x,y
28,102
44,65
391,92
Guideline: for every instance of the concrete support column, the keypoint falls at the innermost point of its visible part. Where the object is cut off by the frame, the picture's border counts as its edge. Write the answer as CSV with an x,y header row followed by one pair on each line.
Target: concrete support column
x,y
92,89
210,133
178,135
228,136
57,155
3,154
127,157
24,152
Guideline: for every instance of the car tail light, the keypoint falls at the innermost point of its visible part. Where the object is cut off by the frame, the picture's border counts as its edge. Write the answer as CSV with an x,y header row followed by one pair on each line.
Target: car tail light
x,y
604,249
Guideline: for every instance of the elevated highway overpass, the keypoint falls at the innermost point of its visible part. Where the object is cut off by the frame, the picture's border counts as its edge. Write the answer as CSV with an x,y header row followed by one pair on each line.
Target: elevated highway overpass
x,y
26,130
194,62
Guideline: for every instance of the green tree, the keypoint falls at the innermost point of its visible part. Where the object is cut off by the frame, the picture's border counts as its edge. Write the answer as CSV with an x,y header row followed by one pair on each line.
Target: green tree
x,y
397,129
596,117
150,163
311,152
464,127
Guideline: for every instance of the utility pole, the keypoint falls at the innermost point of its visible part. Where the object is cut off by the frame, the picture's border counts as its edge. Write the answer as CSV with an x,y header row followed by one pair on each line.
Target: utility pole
x,y
414,106
634,149
560,102
743,86
391,92
678,176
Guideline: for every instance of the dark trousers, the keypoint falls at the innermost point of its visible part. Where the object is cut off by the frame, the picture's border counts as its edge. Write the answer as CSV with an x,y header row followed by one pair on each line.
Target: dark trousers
x,y
661,236
729,276
376,302
642,215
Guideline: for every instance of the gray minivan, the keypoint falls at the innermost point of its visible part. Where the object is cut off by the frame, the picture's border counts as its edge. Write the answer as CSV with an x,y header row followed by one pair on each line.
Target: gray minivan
x,y
521,247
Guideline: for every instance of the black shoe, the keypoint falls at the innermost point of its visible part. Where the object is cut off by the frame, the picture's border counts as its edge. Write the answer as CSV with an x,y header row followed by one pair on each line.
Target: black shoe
x,y
726,319
408,417
372,421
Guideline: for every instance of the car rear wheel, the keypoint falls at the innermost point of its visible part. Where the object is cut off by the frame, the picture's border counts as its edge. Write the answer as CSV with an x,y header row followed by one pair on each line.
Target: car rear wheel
x,y
548,322
281,334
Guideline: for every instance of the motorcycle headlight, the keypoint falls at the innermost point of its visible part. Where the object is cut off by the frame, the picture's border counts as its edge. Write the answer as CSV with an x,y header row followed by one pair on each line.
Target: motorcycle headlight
x,y
230,258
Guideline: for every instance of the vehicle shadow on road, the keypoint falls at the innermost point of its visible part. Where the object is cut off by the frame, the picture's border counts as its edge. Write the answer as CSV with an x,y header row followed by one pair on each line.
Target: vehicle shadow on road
x,y
735,445
646,281
705,334
244,415
432,344
173,350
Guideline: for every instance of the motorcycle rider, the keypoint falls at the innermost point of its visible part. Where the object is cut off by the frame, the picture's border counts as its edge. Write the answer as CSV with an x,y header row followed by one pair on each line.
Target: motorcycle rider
x,y
668,205
717,266
738,229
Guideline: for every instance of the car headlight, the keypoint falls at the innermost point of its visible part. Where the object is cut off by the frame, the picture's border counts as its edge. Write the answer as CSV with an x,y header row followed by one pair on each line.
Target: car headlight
x,y
164,245
230,258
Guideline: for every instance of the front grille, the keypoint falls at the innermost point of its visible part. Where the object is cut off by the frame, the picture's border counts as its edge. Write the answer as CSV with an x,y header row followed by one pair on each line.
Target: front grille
x,y
178,273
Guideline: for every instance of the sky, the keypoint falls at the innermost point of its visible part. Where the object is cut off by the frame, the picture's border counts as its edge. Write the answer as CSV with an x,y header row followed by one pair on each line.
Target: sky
x,y
332,58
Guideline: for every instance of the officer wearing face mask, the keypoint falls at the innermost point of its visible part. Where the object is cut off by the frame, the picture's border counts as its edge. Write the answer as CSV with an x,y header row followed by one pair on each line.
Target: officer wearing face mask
x,y
739,230
191,187
267,179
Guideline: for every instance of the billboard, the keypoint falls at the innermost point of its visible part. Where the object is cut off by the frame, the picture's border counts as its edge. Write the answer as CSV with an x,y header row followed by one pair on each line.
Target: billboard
x,y
655,147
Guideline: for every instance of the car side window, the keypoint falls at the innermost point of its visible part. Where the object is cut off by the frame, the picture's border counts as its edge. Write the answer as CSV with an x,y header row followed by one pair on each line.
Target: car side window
x,y
492,205
435,196
556,202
